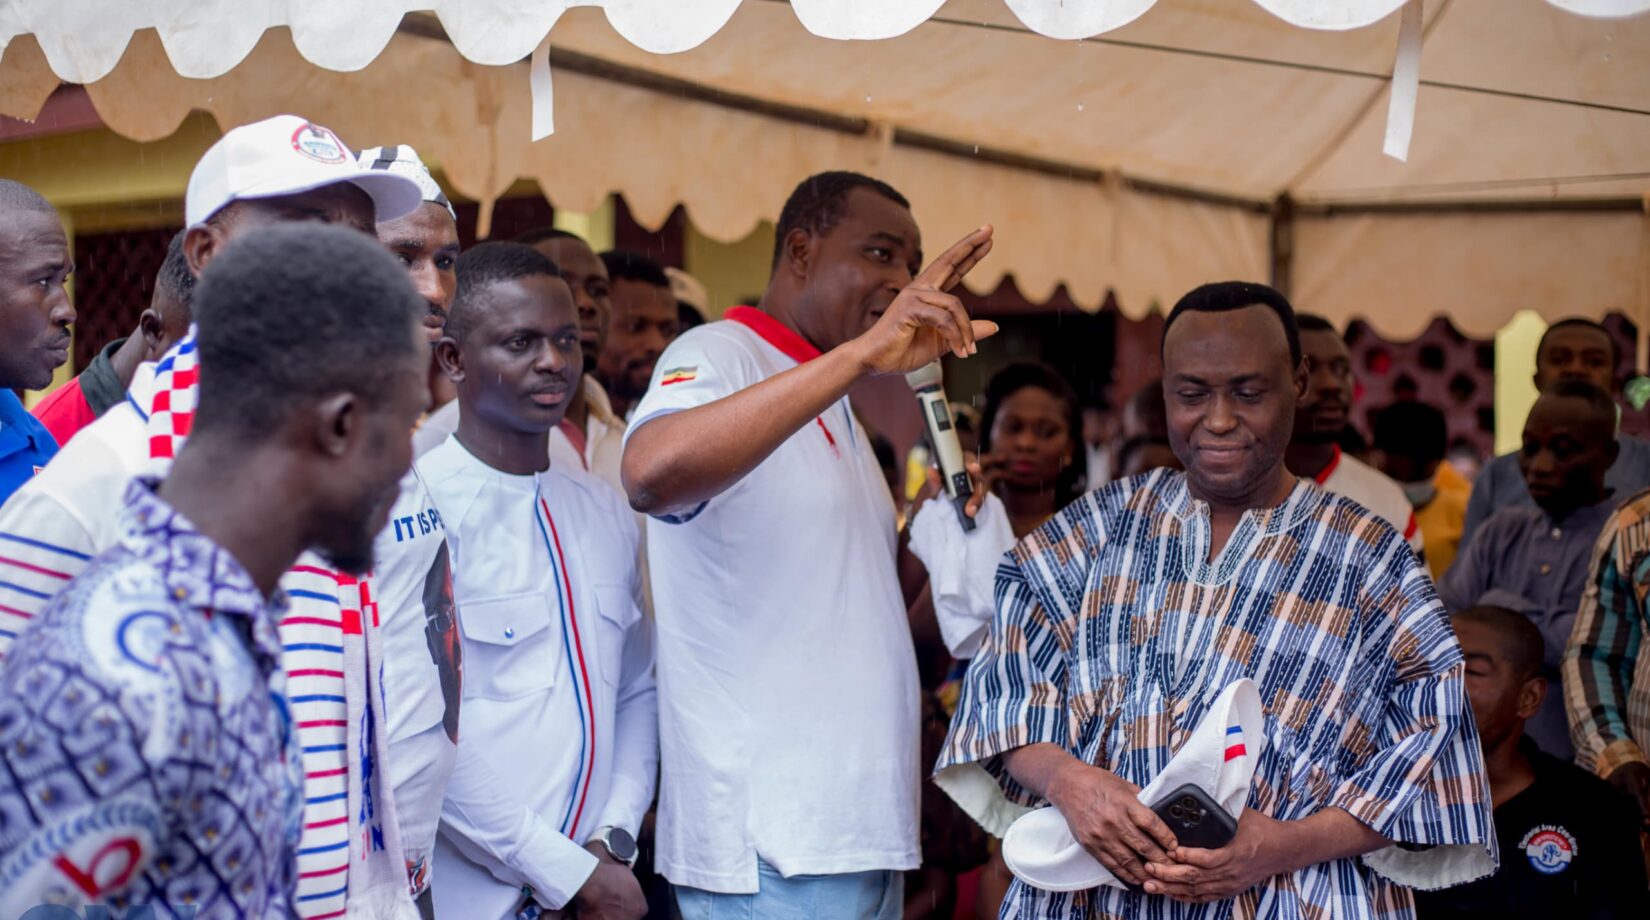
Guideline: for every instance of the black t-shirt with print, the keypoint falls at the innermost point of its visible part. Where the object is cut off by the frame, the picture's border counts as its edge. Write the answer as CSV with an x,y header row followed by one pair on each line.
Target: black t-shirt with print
x,y
1569,851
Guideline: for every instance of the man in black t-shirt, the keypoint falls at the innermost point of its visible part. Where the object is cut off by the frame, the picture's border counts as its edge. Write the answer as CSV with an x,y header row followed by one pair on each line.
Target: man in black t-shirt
x,y
1568,840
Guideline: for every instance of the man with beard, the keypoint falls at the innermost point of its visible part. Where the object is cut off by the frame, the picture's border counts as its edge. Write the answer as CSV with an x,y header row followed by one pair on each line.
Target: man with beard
x,y
642,325
789,731
1123,620
280,170
144,707
35,314
1321,417
559,749
426,242
1535,559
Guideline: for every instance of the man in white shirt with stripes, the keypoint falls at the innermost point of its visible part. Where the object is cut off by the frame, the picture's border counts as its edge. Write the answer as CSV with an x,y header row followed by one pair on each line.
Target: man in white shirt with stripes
x,y
558,751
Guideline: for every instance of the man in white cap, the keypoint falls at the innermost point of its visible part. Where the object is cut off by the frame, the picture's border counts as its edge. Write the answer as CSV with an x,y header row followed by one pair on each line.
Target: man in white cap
x,y
281,169
426,241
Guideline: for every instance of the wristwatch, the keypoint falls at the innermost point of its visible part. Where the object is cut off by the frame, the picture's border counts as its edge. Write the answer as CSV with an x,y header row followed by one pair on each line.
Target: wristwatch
x,y
620,845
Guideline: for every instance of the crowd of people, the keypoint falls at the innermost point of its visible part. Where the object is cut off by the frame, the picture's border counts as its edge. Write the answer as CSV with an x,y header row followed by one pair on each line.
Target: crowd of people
x,y
373,578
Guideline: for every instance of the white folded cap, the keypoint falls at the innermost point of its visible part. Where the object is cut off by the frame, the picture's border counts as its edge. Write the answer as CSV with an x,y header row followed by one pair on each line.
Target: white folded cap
x,y
287,155
1219,758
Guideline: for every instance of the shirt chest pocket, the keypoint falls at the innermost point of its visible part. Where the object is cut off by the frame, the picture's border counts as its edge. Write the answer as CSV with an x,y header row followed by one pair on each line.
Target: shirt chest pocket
x,y
510,651
617,616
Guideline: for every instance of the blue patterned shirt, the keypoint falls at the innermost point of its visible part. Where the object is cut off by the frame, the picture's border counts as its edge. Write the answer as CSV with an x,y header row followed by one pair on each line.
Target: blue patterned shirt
x,y
145,739
1115,633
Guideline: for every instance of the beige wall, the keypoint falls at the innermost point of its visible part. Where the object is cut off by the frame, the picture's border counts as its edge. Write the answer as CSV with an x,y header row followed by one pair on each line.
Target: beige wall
x,y
729,271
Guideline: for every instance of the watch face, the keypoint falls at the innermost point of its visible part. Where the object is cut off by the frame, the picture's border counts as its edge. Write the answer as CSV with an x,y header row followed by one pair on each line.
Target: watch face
x,y
621,844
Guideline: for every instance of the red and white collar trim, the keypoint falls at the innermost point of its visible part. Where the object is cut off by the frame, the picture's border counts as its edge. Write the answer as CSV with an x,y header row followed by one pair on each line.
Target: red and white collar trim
x,y
1328,471
775,333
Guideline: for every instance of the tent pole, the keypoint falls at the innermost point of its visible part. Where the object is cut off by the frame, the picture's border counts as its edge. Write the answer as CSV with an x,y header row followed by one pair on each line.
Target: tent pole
x,y
1283,242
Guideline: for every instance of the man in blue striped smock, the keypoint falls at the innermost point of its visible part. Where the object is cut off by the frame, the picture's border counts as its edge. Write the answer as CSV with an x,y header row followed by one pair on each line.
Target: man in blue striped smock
x,y
1122,619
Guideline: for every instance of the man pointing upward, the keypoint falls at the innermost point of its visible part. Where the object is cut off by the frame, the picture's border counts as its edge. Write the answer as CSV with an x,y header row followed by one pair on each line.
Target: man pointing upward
x,y
772,548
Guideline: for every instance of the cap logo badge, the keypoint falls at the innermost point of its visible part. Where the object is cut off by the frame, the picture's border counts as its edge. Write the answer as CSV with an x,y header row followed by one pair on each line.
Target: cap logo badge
x,y
318,144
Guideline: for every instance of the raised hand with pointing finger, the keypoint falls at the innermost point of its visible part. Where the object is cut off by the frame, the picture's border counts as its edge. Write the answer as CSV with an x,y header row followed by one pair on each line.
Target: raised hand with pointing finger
x,y
926,320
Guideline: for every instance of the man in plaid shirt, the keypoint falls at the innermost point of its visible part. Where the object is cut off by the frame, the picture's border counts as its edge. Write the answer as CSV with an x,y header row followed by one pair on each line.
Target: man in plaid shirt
x,y
1121,620
1606,671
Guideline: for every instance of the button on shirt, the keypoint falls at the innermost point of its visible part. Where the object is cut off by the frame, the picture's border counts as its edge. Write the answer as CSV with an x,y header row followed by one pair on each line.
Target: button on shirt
x,y
150,760
25,444
1525,560
788,715
560,729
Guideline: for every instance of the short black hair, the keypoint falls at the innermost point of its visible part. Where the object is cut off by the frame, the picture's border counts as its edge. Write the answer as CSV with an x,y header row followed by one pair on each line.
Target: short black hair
x,y
817,204
539,234
628,265
1520,638
175,281
1312,322
484,265
291,312
1411,429
1581,322
1225,296
1585,391
15,196
1016,377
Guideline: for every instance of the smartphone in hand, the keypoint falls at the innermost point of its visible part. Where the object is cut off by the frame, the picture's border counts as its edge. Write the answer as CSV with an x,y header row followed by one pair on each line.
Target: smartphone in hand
x,y
1195,819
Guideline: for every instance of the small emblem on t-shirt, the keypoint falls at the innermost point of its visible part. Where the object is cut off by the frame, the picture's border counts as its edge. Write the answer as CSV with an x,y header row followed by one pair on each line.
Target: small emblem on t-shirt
x,y
678,375
1549,847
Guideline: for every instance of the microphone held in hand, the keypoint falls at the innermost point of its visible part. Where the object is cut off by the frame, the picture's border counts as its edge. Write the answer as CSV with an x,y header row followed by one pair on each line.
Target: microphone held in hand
x,y
928,383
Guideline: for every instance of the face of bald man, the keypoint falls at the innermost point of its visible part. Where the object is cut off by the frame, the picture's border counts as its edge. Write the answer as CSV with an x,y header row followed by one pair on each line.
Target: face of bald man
x,y
1231,393
35,311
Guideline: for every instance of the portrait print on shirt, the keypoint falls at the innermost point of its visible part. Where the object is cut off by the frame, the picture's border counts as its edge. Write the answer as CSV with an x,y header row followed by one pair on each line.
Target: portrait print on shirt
x,y
441,632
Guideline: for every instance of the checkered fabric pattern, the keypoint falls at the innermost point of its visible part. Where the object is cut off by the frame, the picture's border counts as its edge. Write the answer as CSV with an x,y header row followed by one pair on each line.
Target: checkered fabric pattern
x,y
1607,666
1115,633
172,411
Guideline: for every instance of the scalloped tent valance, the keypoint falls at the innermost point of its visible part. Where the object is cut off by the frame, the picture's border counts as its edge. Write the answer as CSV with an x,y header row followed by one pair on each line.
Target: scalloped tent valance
x,y
1138,145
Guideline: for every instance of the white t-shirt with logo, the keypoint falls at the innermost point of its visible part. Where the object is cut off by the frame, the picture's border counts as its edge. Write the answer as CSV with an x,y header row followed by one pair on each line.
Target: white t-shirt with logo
x,y
423,666
788,695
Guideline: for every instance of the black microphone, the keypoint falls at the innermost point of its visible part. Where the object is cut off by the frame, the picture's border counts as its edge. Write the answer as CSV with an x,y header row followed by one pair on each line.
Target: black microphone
x,y
928,383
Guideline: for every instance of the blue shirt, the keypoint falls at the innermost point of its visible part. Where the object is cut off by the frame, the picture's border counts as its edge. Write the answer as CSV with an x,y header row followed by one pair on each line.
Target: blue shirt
x,y
1501,483
1526,560
146,749
25,444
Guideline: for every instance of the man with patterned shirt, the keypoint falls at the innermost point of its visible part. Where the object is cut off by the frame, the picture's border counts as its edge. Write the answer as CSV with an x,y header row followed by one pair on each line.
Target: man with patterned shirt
x,y
1607,668
151,759
1121,621
280,170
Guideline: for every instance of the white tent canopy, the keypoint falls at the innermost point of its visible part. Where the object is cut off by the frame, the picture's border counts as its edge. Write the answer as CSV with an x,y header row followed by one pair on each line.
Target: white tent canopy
x,y
1126,144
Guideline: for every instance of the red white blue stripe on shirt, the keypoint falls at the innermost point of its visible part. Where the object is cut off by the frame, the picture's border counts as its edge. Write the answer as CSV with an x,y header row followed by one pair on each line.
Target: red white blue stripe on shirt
x,y
1234,744
320,611
31,573
573,642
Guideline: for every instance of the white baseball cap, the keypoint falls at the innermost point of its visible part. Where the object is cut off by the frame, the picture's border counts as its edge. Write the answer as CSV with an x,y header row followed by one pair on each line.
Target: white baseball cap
x,y
287,155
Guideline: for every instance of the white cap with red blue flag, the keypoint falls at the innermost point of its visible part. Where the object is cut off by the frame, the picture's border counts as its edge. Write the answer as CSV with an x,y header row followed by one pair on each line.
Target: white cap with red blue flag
x,y
1219,758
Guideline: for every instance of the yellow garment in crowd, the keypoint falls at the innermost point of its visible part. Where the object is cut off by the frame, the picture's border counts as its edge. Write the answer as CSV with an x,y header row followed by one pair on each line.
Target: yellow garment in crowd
x,y
1441,520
